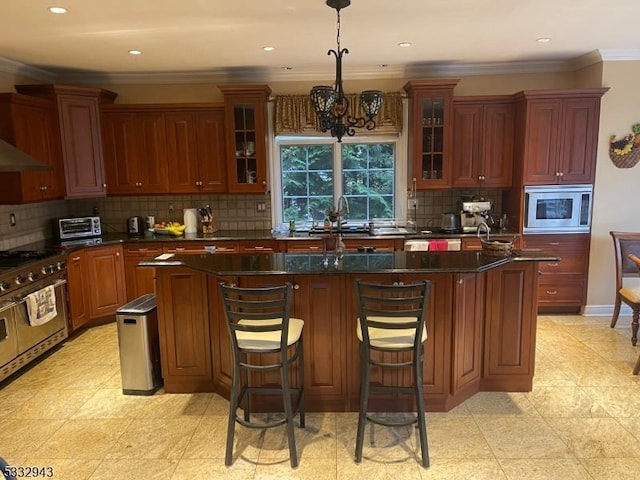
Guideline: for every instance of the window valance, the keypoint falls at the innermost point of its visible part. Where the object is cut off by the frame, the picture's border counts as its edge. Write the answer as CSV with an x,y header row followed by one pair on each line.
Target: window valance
x,y
295,114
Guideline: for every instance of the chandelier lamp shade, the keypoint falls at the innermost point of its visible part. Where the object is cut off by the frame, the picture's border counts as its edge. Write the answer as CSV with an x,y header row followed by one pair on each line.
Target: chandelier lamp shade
x,y
331,105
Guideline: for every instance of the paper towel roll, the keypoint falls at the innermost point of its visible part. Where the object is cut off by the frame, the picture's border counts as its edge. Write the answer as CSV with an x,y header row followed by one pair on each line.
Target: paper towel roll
x,y
191,220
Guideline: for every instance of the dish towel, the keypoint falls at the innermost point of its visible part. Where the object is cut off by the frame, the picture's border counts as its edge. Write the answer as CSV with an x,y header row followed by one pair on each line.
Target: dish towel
x,y
41,306
416,245
441,245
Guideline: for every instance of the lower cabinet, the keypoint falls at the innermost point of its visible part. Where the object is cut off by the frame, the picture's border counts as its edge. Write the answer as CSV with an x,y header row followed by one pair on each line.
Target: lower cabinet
x,y
562,285
139,280
96,283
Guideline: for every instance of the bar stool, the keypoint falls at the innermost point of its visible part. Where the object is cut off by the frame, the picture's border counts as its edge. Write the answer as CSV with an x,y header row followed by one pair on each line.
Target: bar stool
x,y
259,325
392,320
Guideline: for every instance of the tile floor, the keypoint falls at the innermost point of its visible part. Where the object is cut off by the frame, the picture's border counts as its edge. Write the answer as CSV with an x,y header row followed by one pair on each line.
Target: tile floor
x,y
581,421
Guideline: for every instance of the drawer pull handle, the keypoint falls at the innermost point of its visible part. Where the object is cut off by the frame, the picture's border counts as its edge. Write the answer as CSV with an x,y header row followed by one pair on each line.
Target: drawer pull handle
x,y
554,243
553,264
552,292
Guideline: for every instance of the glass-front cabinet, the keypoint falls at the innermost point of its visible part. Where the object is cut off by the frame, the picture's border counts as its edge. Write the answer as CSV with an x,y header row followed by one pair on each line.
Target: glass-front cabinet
x,y
430,128
246,124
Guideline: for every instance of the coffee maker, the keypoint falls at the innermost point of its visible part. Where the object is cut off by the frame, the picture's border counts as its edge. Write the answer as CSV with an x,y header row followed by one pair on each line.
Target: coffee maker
x,y
473,213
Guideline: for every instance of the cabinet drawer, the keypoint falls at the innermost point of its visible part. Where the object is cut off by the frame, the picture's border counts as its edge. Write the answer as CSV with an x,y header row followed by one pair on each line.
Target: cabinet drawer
x,y
142,250
258,246
199,247
570,263
306,246
380,245
561,289
573,251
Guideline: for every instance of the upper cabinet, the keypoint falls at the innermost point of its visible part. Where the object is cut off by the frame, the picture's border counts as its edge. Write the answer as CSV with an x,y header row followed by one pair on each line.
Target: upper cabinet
x,y
30,124
196,150
135,151
246,132
430,132
171,148
78,115
558,135
483,130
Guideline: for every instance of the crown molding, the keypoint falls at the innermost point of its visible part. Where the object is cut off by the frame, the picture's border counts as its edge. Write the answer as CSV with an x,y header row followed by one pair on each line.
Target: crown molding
x,y
16,68
263,75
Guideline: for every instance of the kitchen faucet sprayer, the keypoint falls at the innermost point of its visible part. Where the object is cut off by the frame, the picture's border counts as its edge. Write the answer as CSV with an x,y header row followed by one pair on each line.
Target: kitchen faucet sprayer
x,y
343,209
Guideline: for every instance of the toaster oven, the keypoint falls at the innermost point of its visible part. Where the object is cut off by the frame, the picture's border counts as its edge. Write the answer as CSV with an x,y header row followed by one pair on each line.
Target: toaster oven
x,y
77,227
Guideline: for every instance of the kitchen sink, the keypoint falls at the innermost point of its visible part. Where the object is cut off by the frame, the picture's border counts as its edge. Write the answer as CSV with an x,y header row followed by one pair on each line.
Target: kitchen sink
x,y
393,231
345,230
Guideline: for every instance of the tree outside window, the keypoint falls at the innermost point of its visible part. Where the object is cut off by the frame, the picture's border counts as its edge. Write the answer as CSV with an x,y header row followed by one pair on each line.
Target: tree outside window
x,y
310,185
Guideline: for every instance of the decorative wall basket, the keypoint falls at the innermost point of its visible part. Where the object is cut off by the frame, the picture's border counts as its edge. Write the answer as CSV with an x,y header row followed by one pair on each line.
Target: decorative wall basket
x,y
625,153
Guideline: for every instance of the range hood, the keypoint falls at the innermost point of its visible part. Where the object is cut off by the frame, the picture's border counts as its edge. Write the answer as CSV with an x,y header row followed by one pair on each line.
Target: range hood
x,y
14,160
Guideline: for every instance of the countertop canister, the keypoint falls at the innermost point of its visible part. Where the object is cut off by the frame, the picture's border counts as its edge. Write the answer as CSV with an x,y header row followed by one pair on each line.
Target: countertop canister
x,y
191,220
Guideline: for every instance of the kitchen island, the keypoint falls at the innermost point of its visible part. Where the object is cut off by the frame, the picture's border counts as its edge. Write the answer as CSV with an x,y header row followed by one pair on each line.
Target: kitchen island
x,y
481,322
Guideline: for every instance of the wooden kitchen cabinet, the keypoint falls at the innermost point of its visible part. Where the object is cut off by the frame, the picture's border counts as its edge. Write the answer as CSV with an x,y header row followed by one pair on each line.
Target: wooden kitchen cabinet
x,y
139,280
246,133
78,122
29,124
558,135
196,150
197,248
562,285
135,149
483,136
257,246
430,132
96,283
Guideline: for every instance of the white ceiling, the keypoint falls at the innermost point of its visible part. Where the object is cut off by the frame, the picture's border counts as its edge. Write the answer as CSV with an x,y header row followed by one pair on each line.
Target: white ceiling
x,y
225,38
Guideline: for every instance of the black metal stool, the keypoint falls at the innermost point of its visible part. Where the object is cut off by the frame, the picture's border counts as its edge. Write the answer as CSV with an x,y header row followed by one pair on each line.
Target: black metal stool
x,y
392,320
259,323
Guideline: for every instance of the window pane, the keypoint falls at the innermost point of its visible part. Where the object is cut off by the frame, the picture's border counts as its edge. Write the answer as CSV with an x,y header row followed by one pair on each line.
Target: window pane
x,y
307,181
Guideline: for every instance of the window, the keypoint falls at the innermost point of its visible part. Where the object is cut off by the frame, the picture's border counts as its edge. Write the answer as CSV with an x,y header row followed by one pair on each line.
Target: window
x,y
313,173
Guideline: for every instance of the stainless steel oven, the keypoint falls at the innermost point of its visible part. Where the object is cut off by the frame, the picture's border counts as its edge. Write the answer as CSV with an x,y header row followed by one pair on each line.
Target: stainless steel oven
x,y
21,274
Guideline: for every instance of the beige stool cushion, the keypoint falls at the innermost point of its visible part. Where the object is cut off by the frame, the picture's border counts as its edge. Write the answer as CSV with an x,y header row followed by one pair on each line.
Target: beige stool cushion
x,y
268,340
392,339
631,293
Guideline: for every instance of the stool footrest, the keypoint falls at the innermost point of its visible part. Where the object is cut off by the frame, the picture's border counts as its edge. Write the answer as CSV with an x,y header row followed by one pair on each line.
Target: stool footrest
x,y
388,423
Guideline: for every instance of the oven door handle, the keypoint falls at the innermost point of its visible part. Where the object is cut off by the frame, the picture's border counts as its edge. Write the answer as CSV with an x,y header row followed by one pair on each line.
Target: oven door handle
x,y
23,298
7,306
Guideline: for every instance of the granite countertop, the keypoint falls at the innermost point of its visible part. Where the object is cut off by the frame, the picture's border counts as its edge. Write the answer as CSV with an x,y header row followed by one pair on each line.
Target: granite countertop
x,y
312,263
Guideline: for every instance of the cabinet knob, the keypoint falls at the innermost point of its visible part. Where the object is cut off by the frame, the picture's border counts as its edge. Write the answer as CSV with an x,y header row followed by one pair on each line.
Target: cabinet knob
x,y
75,259
296,286
104,185
562,174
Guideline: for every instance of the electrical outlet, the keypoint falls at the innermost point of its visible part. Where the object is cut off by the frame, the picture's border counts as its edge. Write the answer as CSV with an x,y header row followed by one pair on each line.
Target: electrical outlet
x,y
261,207
413,203
12,219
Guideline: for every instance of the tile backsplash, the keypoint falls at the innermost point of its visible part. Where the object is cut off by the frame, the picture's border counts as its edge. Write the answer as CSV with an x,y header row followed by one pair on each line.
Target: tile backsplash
x,y
231,212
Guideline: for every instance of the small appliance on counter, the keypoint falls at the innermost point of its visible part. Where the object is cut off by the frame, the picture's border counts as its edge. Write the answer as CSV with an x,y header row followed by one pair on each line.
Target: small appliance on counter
x,y
473,213
77,227
136,226
450,223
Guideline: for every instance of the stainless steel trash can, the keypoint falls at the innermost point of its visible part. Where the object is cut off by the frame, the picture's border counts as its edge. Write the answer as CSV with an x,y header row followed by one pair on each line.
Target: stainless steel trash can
x,y
139,346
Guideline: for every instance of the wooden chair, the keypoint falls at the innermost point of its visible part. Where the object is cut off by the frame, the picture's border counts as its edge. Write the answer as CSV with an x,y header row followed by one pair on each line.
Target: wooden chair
x,y
636,262
392,320
626,243
264,338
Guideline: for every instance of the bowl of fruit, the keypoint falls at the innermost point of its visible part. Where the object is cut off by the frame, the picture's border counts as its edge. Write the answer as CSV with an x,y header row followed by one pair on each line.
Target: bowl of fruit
x,y
169,228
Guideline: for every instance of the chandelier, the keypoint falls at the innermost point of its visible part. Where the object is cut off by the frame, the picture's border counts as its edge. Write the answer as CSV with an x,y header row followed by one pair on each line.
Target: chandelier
x,y
330,104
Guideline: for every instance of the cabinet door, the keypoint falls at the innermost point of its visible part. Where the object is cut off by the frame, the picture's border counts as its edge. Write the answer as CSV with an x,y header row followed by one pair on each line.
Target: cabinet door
x,y
81,145
105,275
182,152
78,292
467,137
497,145
139,280
541,143
510,323
185,338
211,151
578,141
246,149
153,175
120,147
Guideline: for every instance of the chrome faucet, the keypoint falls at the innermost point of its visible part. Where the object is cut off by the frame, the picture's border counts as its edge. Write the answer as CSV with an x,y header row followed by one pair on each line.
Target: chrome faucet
x,y
485,227
343,210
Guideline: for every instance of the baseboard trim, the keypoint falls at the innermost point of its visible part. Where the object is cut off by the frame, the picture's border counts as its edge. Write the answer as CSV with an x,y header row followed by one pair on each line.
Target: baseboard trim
x,y
604,311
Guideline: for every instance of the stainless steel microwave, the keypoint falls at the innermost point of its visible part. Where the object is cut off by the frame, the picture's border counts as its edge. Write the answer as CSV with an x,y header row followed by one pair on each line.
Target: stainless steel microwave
x,y
558,209
78,227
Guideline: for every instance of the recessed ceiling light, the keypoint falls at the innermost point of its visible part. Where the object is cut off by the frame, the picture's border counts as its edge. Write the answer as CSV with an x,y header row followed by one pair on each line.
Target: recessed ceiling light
x,y
543,40
287,68
383,65
135,52
57,10
268,48
404,44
